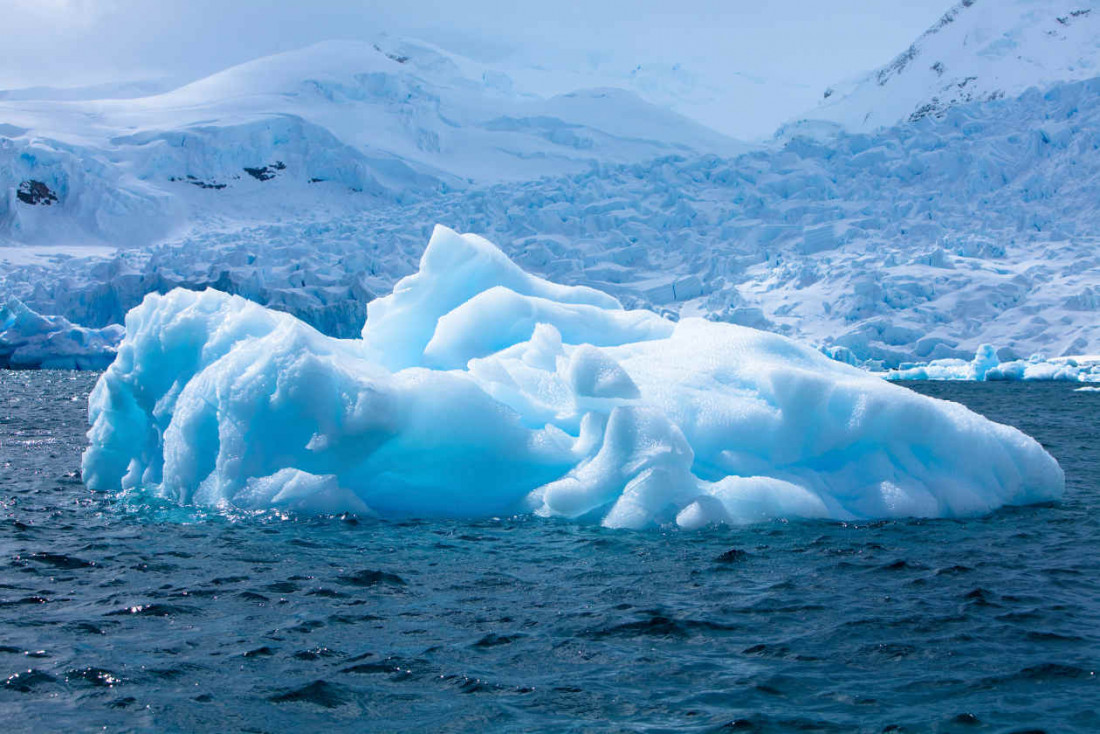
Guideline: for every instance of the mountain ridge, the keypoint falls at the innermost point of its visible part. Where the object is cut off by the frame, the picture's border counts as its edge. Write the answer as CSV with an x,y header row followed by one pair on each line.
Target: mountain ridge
x,y
979,50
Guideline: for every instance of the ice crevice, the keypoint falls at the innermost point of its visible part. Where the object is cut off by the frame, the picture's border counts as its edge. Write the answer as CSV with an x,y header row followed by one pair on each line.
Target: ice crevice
x,y
480,390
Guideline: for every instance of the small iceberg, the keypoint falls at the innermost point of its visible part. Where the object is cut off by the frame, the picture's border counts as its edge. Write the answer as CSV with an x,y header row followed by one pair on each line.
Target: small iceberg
x,y
478,390
987,367
29,340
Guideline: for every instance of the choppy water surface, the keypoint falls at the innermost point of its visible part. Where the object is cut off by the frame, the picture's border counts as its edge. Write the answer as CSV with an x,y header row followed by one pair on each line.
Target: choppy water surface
x,y
144,620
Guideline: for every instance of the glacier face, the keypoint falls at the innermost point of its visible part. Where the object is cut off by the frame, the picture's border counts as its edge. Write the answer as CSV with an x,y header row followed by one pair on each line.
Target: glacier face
x,y
477,389
918,242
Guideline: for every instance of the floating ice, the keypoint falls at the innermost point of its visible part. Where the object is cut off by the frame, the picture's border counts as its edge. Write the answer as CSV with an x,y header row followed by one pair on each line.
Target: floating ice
x,y
29,340
987,367
478,390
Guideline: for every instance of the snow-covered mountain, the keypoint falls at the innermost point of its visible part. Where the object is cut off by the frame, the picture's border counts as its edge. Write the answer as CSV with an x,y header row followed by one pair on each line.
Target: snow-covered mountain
x,y
900,243
321,127
920,241
980,50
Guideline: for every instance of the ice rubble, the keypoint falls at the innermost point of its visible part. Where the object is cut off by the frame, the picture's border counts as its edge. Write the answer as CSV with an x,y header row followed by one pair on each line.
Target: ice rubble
x,y
478,390
29,340
987,367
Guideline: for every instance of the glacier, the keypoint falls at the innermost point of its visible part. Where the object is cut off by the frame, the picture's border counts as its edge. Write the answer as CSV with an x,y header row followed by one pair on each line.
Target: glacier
x,y
477,389
918,242
337,125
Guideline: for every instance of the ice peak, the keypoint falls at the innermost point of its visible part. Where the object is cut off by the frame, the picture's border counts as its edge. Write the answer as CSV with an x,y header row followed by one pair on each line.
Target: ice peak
x,y
457,270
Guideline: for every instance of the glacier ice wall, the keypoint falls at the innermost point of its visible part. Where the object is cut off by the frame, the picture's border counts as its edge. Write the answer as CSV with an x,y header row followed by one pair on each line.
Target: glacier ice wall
x,y
479,390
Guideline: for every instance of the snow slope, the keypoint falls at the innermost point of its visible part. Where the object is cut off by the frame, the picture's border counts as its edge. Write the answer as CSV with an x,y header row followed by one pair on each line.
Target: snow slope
x,y
897,245
479,390
328,126
980,50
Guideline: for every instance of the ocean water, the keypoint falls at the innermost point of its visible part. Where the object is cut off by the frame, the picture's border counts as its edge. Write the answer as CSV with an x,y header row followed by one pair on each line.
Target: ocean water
x,y
161,619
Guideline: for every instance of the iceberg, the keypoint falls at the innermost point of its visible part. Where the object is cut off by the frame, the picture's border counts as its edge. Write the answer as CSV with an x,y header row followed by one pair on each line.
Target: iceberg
x,y
29,340
987,367
478,390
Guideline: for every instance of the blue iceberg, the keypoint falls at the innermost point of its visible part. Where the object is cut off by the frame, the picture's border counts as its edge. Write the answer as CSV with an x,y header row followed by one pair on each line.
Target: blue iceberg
x,y
478,390
29,340
987,367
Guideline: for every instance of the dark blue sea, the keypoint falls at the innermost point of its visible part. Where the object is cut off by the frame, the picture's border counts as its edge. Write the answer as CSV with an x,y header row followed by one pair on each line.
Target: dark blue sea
x,y
137,619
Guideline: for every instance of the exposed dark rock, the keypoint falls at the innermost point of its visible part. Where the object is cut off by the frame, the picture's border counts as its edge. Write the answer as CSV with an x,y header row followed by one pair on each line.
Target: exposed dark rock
x,y
194,181
395,57
35,193
1066,19
266,173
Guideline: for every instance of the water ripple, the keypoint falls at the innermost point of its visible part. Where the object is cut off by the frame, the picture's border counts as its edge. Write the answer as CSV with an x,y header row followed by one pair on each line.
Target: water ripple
x,y
150,618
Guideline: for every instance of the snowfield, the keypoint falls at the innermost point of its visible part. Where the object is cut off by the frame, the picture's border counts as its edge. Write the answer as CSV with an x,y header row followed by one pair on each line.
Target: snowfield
x,y
478,389
341,123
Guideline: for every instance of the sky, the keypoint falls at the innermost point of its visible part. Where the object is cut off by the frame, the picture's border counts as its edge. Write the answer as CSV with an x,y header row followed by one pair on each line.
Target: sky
x,y
740,66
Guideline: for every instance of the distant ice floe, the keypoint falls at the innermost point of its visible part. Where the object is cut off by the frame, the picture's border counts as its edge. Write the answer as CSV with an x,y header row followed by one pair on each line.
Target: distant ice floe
x,y
29,340
987,367
479,390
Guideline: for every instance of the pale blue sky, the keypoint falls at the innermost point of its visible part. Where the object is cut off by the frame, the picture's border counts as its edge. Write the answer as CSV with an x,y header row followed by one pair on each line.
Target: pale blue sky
x,y
768,60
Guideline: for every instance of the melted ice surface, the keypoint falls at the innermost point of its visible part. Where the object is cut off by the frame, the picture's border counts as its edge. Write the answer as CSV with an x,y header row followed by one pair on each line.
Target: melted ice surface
x,y
478,389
